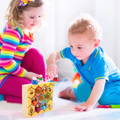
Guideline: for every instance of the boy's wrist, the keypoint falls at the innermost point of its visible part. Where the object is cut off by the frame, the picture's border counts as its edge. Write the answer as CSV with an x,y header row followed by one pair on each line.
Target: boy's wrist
x,y
90,103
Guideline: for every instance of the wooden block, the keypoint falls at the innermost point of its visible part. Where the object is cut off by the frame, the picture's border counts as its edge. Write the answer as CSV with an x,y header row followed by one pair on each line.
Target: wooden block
x,y
37,99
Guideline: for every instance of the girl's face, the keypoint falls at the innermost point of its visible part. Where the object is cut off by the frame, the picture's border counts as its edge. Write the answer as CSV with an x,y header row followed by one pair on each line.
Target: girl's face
x,y
82,46
31,17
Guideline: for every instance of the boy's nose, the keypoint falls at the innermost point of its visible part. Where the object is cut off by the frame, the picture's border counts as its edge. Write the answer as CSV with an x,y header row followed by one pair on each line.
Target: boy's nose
x,y
75,53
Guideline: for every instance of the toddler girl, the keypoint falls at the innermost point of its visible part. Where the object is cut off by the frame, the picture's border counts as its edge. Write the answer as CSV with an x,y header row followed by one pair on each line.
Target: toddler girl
x,y
18,63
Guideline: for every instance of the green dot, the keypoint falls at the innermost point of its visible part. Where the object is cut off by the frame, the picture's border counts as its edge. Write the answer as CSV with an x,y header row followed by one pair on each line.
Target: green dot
x,y
41,79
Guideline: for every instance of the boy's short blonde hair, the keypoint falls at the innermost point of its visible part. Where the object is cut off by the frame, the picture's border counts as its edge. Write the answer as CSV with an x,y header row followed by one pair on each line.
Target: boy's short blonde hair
x,y
15,10
86,25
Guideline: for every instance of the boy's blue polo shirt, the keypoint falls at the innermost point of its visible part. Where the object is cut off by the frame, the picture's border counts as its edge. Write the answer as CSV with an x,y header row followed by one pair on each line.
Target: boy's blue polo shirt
x,y
98,66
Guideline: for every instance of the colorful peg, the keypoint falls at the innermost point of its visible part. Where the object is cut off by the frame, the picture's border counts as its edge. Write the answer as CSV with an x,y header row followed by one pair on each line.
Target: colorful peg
x,y
108,106
40,78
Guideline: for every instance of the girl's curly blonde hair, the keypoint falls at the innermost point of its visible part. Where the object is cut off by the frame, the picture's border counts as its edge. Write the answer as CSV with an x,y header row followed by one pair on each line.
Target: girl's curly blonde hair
x,y
15,10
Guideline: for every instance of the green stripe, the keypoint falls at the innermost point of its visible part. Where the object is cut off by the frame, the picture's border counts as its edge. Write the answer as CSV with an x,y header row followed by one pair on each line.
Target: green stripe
x,y
20,31
99,78
115,106
61,53
96,53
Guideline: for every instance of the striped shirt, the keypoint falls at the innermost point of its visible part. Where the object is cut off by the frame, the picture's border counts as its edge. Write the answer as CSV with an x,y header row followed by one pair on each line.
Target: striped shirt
x,y
13,46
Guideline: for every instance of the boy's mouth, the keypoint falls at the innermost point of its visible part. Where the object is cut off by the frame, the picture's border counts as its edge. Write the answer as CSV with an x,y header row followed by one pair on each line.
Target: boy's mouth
x,y
77,56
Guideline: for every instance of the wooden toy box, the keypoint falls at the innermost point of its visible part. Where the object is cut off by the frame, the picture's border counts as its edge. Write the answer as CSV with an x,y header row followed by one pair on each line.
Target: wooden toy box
x,y
37,98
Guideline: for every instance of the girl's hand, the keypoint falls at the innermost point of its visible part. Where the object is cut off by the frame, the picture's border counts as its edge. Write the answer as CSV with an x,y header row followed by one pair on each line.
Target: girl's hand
x,y
30,75
52,71
84,107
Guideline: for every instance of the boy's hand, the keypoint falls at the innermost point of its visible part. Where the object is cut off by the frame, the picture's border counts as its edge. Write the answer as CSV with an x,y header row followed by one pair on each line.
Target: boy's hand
x,y
30,75
84,107
52,71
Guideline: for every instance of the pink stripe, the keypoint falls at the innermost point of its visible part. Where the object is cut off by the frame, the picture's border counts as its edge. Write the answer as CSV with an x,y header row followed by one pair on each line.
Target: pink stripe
x,y
17,71
1,40
6,63
9,48
15,33
20,71
20,50
3,62
9,45
18,57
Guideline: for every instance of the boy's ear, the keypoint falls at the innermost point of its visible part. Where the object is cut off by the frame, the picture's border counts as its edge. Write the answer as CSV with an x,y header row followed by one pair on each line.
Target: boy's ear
x,y
97,43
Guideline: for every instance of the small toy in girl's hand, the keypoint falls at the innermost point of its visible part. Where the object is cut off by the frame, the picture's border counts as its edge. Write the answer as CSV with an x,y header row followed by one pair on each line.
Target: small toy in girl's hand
x,y
37,98
37,80
40,78
34,82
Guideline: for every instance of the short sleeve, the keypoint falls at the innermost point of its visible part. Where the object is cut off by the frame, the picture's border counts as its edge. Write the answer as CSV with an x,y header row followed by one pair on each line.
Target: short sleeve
x,y
101,70
66,53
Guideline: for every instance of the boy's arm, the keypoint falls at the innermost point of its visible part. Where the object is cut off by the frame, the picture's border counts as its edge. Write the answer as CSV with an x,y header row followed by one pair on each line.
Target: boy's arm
x,y
94,96
52,70
53,58
96,92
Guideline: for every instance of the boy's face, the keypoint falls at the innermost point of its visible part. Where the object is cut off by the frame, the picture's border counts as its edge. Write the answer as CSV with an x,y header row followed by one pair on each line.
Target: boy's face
x,y
31,17
82,45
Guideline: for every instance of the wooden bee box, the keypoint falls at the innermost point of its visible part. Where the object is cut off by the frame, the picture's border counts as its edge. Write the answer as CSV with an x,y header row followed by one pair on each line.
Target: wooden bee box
x,y
37,99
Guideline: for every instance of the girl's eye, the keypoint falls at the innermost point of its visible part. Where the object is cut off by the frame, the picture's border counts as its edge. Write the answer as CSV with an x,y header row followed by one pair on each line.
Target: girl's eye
x,y
79,47
31,17
71,46
39,16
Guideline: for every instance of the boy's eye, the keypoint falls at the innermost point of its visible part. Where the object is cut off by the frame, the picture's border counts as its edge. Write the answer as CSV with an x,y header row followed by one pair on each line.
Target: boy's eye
x,y
71,46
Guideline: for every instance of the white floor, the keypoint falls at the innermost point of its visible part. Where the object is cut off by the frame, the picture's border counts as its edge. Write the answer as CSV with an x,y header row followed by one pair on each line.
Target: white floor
x,y
63,110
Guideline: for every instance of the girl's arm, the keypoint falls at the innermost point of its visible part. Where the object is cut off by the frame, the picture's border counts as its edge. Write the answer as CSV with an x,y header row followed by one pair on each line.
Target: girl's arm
x,y
11,39
94,96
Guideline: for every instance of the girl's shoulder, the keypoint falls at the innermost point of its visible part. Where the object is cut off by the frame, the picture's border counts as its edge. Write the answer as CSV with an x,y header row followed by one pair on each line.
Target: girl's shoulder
x,y
13,31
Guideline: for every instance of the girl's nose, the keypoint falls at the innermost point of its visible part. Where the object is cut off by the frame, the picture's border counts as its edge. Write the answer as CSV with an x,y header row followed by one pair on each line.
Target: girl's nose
x,y
35,20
